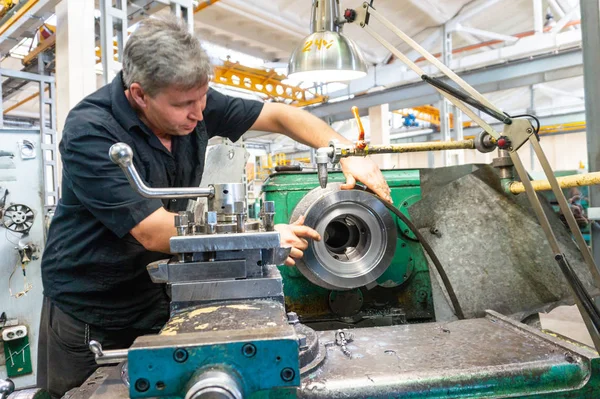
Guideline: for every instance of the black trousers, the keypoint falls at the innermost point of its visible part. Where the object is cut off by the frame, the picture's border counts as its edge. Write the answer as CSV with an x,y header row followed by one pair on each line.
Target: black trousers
x,y
64,359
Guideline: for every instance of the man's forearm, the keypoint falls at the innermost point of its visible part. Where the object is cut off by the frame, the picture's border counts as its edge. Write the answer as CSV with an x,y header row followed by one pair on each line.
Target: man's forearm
x,y
306,128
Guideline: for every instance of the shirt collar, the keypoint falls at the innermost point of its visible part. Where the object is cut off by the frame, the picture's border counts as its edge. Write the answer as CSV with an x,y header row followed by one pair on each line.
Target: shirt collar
x,y
122,110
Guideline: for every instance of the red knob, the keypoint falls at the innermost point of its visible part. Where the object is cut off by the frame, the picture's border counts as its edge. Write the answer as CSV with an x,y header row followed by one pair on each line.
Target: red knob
x,y
502,143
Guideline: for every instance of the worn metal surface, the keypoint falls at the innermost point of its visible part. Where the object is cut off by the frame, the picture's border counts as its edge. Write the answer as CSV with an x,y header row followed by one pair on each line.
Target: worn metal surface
x,y
225,242
236,338
268,287
98,381
359,238
492,357
472,358
225,163
491,245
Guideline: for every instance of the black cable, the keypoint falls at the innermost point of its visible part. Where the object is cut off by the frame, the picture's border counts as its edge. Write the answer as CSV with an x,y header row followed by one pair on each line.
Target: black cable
x,y
537,122
436,261
466,98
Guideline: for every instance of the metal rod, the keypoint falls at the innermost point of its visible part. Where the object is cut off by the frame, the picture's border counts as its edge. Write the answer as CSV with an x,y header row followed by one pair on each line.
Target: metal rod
x,y
586,179
409,147
122,155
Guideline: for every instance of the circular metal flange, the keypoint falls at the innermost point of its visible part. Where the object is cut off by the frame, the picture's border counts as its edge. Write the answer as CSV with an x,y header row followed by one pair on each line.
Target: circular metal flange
x,y
359,238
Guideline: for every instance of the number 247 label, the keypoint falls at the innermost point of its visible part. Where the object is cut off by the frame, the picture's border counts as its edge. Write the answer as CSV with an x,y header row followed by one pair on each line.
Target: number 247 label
x,y
318,44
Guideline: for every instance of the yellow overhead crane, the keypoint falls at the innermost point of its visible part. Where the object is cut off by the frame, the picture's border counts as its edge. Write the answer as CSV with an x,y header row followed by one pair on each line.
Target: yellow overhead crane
x,y
6,6
266,82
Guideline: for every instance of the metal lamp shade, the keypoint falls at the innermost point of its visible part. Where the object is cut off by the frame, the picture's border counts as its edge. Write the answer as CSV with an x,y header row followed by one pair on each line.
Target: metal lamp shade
x,y
326,57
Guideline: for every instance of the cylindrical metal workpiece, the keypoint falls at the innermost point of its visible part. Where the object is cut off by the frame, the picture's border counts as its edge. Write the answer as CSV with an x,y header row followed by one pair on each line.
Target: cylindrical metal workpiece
x,y
359,238
213,384
224,199
586,179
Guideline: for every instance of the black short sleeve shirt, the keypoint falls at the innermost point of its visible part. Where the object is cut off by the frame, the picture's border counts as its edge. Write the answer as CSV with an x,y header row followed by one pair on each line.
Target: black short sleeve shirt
x,y
92,268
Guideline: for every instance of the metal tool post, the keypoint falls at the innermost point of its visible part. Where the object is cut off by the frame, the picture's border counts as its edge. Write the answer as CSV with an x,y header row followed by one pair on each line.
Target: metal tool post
x,y
517,131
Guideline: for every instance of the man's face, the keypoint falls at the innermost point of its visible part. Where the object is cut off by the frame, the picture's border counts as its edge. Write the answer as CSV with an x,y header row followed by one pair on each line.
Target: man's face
x,y
175,111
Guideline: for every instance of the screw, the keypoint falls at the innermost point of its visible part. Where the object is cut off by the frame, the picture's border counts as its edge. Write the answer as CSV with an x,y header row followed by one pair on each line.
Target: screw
x,y
249,350
180,355
287,374
529,130
142,385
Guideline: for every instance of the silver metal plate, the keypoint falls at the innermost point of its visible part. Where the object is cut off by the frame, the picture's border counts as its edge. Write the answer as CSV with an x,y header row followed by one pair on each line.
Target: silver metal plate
x,y
225,242
268,287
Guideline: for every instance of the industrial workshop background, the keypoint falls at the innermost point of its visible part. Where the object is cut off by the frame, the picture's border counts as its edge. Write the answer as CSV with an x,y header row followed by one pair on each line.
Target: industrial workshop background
x,y
525,56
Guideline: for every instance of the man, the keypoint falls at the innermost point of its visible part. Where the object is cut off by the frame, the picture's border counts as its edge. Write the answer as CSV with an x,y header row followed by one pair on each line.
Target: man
x,y
103,233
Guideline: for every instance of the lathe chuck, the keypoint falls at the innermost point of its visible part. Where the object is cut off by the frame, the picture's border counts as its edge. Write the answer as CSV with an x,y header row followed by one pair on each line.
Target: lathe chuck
x,y
358,238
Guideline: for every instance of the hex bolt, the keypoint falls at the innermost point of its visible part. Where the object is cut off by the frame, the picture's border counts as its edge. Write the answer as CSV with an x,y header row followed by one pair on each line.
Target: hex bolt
x,y
249,350
302,344
287,374
142,385
180,355
293,318
239,208
211,222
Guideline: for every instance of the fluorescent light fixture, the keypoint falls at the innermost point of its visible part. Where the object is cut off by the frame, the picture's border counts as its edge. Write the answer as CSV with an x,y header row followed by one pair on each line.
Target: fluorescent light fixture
x,y
326,55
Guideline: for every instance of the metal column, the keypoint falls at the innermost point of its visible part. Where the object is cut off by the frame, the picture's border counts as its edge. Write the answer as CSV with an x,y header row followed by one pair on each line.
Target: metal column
x,y
113,22
445,104
590,30
538,16
184,9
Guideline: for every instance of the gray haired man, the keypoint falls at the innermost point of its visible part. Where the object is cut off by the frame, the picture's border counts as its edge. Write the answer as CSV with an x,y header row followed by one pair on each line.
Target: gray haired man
x,y
104,234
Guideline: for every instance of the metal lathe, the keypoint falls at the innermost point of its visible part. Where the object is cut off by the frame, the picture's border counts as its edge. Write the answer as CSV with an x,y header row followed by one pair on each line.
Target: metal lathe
x,y
365,318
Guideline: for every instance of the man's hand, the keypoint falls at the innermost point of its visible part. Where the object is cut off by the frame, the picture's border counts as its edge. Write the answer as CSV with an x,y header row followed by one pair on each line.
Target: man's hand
x,y
294,235
365,171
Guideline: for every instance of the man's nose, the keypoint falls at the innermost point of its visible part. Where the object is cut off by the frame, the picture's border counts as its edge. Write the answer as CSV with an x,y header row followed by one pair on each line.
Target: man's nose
x,y
196,113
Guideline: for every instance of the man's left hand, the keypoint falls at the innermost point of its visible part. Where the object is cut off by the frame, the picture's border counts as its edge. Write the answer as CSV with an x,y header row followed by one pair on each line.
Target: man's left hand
x,y
367,172
295,235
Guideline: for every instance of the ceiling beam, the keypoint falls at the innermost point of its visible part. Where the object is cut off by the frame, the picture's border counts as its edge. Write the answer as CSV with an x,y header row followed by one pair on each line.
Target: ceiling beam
x,y
509,75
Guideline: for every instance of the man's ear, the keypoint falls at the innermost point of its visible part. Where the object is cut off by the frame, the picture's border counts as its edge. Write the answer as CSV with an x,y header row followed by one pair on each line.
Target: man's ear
x,y
138,95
